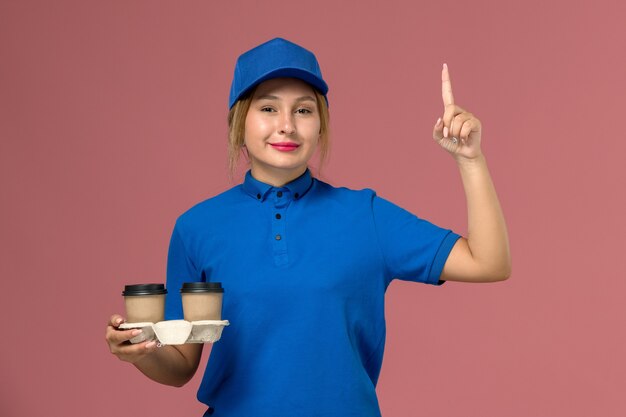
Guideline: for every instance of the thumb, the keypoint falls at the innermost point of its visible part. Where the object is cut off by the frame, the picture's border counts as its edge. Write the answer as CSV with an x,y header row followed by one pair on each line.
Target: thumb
x,y
116,320
438,130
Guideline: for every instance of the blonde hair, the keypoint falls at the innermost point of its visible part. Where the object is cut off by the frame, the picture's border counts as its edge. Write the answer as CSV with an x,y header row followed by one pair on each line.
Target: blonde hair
x,y
237,129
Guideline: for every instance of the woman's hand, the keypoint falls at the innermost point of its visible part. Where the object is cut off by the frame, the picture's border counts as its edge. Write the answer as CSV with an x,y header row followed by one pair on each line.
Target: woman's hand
x,y
457,131
119,345
169,365
484,255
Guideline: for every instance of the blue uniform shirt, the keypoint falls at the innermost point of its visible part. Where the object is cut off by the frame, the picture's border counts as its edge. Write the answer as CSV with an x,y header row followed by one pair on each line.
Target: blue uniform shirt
x,y
304,269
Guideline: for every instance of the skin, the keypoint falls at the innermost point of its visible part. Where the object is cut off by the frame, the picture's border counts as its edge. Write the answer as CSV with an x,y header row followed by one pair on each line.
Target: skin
x,y
483,256
284,110
171,365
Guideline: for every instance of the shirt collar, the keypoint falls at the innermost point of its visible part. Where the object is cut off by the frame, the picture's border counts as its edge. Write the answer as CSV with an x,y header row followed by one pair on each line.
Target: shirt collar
x,y
259,190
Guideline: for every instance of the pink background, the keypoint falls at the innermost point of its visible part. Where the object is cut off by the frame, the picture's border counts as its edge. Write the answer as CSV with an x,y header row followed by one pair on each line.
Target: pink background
x,y
112,123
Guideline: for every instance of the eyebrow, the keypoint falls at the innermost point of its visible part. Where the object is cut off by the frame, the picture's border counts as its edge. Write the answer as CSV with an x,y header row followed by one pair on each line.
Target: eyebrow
x,y
298,100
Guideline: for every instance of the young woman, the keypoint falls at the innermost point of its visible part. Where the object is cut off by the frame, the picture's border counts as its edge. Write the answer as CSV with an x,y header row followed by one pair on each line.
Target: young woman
x,y
305,265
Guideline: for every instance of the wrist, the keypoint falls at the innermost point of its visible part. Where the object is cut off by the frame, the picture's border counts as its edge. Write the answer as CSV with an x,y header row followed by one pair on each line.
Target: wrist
x,y
471,163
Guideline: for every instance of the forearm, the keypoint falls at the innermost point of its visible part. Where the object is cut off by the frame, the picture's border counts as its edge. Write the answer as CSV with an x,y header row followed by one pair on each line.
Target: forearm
x,y
487,234
168,364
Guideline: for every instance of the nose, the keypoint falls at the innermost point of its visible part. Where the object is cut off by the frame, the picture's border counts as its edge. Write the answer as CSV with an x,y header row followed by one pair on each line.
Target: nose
x,y
287,125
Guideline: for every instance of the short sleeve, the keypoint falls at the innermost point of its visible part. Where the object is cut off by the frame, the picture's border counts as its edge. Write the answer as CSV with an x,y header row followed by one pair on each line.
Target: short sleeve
x,y
180,269
413,249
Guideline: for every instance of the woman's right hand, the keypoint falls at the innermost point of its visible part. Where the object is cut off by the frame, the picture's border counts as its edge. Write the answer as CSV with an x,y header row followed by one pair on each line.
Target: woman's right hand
x,y
119,342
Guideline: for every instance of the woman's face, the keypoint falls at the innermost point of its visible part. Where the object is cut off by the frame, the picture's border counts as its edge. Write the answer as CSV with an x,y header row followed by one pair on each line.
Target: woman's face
x,y
282,130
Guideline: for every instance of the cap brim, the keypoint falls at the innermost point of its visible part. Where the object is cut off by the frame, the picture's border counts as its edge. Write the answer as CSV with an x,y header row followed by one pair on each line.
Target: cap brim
x,y
298,73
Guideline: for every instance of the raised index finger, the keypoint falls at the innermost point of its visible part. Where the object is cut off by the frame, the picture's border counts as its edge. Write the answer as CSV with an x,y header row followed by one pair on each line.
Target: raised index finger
x,y
446,86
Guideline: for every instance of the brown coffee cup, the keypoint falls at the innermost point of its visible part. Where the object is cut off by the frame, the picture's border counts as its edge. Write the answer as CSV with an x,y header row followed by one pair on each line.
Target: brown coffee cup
x,y
202,300
144,303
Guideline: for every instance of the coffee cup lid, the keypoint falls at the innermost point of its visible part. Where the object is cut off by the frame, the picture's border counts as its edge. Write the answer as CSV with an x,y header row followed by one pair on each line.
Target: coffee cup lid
x,y
143,289
198,287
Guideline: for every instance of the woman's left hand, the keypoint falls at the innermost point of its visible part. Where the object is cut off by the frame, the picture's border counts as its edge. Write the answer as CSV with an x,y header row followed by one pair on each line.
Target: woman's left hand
x,y
458,131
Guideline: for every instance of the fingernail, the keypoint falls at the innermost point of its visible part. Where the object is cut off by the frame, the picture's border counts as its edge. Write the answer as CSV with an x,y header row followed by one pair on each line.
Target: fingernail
x,y
118,321
438,121
445,132
445,66
135,332
150,344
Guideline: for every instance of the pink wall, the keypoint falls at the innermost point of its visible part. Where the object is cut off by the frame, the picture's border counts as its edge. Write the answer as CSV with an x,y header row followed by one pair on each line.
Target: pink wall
x,y
112,122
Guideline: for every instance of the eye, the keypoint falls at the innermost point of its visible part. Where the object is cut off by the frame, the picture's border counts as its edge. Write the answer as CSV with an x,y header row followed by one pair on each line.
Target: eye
x,y
304,111
267,109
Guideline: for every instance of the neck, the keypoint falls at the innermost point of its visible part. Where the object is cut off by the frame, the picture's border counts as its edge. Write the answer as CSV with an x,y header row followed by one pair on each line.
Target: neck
x,y
277,177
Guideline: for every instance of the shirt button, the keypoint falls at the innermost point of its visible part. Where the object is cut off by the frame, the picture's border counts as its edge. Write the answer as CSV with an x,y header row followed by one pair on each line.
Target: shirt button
x,y
278,237
280,193
278,216
258,196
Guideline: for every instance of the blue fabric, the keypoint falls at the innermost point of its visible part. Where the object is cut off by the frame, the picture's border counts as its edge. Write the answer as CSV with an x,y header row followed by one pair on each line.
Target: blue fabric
x,y
273,59
307,330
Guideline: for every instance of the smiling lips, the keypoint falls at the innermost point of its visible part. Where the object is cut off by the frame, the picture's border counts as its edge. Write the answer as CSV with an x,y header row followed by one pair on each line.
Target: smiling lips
x,y
285,146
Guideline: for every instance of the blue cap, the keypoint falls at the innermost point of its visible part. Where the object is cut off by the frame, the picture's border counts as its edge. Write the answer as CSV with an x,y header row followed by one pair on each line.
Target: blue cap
x,y
274,59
